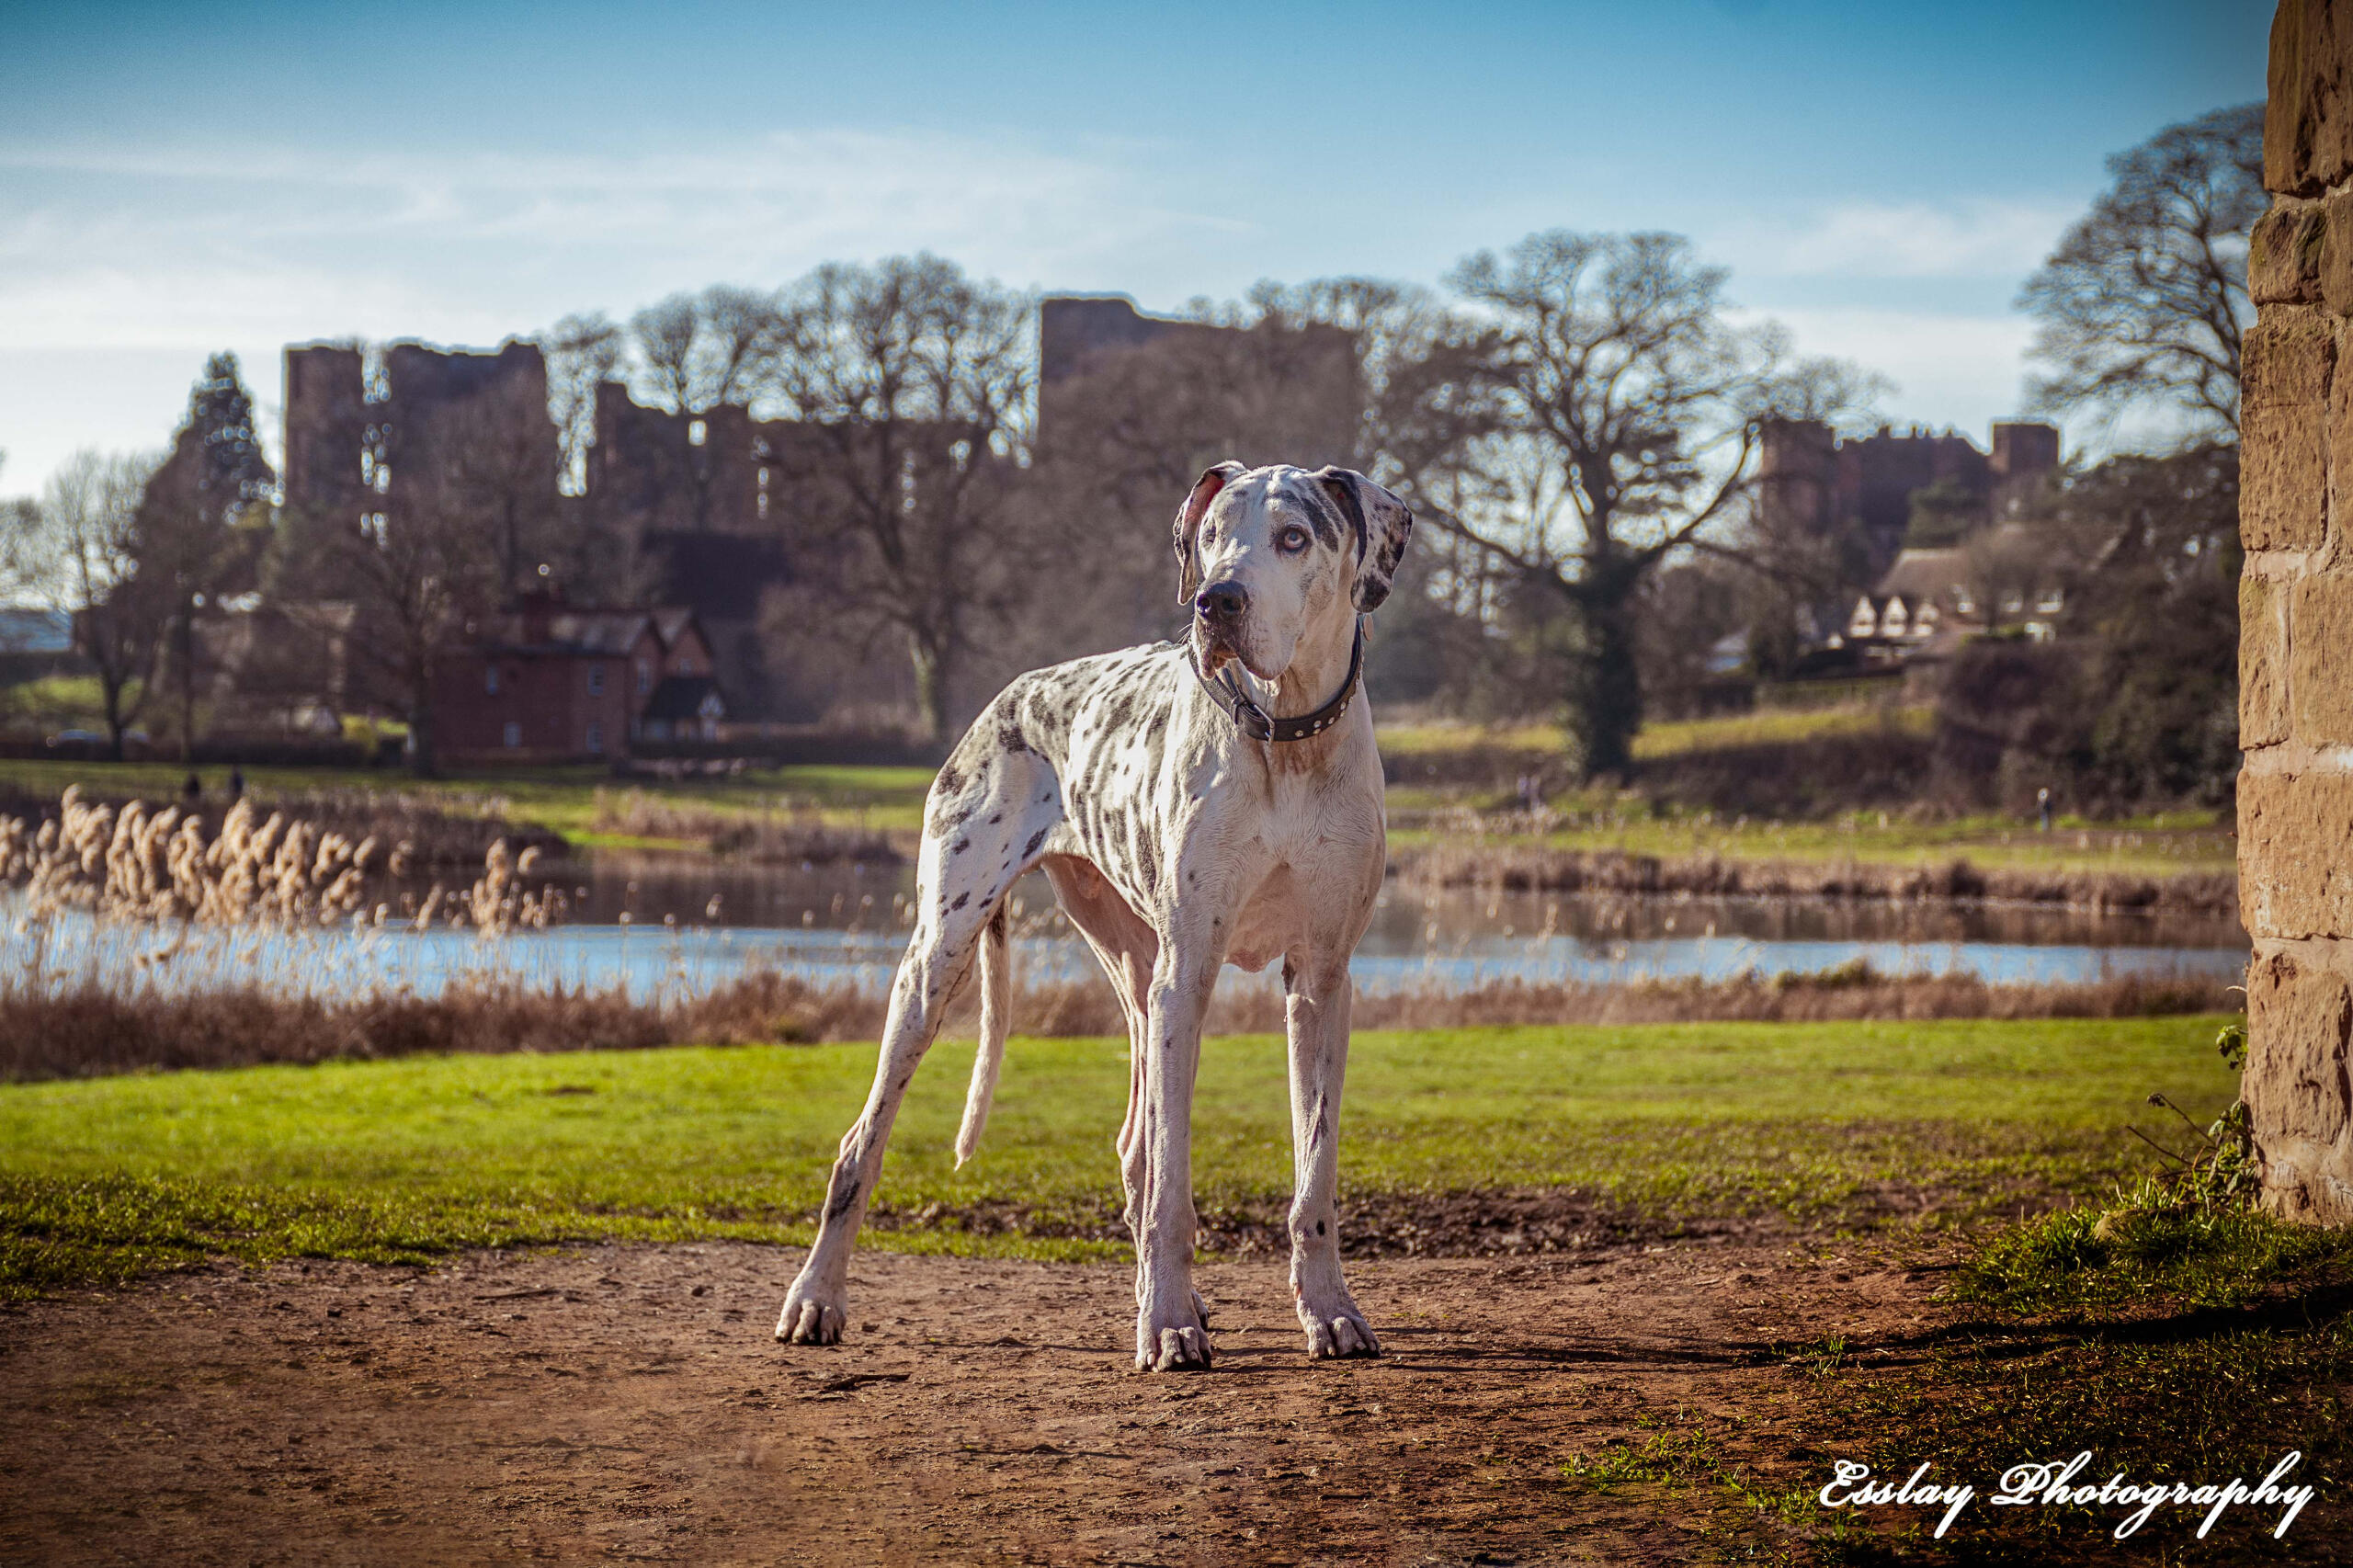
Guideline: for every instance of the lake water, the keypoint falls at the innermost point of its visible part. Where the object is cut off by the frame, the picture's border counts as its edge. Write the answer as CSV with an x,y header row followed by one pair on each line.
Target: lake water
x,y
656,922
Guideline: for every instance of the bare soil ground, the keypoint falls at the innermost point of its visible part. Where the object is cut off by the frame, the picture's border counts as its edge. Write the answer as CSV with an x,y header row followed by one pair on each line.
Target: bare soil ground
x,y
631,1404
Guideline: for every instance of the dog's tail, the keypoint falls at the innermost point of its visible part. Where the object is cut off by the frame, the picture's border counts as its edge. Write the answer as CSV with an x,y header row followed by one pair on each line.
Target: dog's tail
x,y
997,1009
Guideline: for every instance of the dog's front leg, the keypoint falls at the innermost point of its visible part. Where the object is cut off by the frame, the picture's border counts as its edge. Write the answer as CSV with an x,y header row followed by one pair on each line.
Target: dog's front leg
x,y
1316,1016
1170,1331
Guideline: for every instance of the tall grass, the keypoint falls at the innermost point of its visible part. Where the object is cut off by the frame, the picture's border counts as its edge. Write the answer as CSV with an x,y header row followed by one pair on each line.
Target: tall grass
x,y
159,867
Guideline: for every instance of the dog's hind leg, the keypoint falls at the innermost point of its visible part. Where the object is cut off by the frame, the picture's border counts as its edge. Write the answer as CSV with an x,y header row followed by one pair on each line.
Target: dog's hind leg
x,y
982,831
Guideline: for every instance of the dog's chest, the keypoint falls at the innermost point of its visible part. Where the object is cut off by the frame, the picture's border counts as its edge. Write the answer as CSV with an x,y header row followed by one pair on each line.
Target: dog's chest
x,y
1271,924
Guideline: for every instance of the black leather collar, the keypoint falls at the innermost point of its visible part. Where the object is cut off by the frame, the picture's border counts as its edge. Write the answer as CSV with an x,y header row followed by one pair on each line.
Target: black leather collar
x,y
1260,725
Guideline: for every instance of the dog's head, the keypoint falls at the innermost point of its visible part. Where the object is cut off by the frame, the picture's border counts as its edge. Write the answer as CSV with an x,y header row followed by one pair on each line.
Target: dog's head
x,y
1264,553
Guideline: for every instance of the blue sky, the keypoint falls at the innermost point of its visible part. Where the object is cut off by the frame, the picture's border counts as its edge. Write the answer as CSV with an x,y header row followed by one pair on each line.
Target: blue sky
x,y
175,179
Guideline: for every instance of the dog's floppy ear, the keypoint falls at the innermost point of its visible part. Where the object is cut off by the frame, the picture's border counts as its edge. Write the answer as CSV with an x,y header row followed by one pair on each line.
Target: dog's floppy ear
x,y
1381,522
1189,524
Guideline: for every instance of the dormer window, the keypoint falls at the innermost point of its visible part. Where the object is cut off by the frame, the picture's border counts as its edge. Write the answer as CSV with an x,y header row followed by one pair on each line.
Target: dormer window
x,y
644,677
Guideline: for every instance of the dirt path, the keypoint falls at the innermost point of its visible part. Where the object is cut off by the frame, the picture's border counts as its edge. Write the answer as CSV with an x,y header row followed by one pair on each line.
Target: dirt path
x,y
629,1403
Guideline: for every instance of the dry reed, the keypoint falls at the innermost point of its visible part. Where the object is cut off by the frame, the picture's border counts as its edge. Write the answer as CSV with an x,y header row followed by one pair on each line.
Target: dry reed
x,y
157,866
88,1029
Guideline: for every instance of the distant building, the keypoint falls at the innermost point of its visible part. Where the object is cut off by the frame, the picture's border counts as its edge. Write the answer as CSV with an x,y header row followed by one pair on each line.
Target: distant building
x,y
1811,484
1303,395
1930,598
542,681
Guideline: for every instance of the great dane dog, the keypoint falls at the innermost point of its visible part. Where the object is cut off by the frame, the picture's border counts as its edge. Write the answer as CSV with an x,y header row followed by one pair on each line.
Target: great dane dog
x,y
1198,803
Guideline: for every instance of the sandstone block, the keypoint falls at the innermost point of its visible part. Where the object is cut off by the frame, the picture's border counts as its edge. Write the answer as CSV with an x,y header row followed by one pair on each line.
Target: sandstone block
x,y
2296,854
2291,252
2300,1023
2308,121
2263,664
2283,476
2320,659
2335,274
2288,355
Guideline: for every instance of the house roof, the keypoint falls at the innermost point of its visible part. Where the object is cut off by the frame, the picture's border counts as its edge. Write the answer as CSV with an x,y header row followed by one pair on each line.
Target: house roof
x,y
1923,575
670,624
565,632
683,697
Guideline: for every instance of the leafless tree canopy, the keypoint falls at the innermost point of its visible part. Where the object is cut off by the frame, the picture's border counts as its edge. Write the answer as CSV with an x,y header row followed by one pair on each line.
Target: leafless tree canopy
x,y
580,351
2144,301
912,383
87,541
1623,426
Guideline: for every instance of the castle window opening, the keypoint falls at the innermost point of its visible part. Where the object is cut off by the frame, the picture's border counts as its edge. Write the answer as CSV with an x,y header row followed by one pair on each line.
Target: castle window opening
x,y
490,680
513,735
698,432
644,677
596,738
595,680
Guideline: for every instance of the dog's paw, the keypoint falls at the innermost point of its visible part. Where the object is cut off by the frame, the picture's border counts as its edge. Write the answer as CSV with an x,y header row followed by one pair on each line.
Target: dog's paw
x,y
1178,1350
812,1316
1174,1341
1339,1336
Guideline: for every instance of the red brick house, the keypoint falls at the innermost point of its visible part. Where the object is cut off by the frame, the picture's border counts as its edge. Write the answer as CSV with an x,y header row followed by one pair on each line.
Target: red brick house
x,y
542,681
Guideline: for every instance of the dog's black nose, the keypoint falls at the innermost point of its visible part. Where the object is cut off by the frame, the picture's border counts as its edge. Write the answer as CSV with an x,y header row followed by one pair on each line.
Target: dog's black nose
x,y
1222,602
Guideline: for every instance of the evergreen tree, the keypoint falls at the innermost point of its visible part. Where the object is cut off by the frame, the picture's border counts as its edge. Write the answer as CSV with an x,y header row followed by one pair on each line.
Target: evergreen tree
x,y
200,531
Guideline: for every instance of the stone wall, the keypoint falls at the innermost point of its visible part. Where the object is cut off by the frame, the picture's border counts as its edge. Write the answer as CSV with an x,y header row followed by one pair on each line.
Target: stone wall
x,y
2296,624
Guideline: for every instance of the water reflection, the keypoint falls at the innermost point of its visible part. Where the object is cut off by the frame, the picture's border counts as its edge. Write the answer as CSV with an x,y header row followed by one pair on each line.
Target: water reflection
x,y
690,921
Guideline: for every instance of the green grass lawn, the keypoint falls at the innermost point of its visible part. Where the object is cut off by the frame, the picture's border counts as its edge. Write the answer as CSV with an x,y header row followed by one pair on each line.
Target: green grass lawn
x,y
1659,738
567,800
563,799
100,1179
2152,845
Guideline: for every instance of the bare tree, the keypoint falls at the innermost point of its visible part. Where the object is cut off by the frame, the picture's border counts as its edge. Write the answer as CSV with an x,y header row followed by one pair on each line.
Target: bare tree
x,y
695,352
26,566
581,352
2145,299
1628,417
912,382
415,569
86,550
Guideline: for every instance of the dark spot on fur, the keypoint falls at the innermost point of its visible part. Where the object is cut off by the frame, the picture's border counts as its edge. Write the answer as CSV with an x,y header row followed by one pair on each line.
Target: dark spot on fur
x,y
1319,514
962,900
1009,738
997,819
845,1199
1319,1227
960,847
948,782
1343,494
1035,839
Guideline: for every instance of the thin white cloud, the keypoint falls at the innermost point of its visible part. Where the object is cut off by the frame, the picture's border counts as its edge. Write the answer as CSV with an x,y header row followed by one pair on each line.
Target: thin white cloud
x,y
1956,369
119,268
1913,240
151,247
